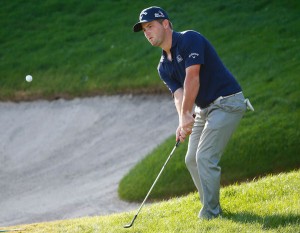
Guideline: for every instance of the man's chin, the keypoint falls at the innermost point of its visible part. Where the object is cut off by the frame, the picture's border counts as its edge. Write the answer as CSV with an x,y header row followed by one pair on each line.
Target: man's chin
x,y
154,44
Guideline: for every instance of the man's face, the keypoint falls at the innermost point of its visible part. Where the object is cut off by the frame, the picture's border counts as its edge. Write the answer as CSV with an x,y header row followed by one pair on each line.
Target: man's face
x,y
154,32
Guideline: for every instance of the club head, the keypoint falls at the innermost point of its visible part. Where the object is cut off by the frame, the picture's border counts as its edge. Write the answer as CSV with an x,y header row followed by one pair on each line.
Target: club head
x,y
130,224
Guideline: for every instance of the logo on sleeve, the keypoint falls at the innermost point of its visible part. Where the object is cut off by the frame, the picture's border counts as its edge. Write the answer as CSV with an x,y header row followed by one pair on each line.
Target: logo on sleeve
x,y
179,58
194,55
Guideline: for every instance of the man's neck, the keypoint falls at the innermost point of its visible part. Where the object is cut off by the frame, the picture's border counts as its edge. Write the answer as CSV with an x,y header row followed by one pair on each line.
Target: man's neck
x,y
168,44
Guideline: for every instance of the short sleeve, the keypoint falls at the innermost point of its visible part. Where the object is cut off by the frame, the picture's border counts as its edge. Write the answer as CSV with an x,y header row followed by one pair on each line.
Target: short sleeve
x,y
194,47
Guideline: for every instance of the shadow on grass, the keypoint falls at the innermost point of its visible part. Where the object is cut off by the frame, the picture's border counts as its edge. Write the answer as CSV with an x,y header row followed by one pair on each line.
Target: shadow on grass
x,y
268,222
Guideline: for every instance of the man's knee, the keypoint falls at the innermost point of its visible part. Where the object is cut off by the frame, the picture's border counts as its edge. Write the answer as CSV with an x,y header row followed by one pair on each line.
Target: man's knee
x,y
190,160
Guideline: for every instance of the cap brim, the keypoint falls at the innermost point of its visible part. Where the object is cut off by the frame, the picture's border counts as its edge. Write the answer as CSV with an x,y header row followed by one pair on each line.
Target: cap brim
x,y
137,27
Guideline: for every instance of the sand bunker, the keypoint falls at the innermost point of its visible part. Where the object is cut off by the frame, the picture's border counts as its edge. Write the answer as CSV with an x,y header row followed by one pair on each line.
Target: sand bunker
x,y
63,159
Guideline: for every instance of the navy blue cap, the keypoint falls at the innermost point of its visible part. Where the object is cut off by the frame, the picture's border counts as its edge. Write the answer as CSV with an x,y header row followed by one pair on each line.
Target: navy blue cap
x,y
148,15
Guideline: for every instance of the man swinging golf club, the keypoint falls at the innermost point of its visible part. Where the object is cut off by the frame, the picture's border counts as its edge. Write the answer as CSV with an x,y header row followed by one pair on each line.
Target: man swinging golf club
x,y
192,70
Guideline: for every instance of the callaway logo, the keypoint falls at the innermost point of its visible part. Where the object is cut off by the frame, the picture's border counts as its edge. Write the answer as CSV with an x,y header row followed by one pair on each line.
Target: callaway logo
x,y
143,13
159,14
193,55
179,58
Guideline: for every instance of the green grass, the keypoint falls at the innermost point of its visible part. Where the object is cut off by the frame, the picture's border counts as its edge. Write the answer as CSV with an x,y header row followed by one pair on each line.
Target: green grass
x,y
72,48
271,204
79,48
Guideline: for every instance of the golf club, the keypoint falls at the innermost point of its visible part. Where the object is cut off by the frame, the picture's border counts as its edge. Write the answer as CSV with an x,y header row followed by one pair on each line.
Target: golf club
x,y
135,216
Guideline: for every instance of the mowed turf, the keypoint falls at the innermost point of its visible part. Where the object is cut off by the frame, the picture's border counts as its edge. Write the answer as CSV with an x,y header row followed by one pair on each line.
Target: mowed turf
x,y
78,48
271,204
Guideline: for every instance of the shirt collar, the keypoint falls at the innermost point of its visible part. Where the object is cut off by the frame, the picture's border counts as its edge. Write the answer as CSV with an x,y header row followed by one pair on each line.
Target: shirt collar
x,y
175,37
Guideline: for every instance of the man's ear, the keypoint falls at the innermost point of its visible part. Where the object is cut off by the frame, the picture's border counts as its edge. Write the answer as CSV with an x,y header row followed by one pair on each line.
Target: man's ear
x,y
166,24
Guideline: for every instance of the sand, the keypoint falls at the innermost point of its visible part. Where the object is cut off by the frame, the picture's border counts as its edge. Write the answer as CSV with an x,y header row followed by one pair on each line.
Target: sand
x,y
64,159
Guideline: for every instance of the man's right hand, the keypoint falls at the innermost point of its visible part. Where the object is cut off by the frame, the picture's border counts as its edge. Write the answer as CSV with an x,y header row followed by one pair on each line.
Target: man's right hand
x,y
181,134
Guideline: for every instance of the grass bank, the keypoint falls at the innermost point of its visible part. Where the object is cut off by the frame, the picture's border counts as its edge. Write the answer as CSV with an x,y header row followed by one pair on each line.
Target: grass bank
x,y
72,48
79,48
271,204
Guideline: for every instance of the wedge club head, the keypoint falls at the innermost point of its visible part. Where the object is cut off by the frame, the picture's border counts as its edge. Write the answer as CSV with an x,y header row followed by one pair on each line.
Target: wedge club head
x,y
130,224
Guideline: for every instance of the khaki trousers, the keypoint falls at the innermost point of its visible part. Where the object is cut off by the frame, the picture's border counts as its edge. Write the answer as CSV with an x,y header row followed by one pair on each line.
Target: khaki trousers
x,y
211,132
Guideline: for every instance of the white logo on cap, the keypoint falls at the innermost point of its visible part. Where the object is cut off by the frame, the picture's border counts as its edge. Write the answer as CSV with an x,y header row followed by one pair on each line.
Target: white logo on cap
x,y
143,13
159,14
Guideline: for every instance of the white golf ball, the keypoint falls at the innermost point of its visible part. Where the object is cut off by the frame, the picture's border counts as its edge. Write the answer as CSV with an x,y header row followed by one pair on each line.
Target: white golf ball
x,y
28,78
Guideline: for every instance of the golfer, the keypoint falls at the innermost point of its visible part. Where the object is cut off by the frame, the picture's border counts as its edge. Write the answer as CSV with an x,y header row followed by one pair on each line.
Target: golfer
x,y
196,76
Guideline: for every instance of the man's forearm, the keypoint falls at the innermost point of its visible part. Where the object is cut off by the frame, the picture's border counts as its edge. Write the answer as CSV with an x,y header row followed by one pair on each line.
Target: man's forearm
x,y
190,89
178,96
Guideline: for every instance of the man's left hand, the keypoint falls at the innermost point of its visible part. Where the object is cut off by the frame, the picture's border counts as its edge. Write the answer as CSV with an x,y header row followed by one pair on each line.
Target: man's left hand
x,y
187,122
